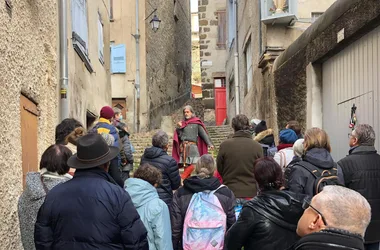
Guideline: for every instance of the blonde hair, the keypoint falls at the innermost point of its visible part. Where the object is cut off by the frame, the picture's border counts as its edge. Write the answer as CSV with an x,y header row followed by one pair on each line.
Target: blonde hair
x,y
205,167
316,138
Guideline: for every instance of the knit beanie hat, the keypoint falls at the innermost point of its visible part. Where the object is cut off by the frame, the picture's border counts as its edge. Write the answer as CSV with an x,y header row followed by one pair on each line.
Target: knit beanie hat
x,y
288,136
262,126
106,112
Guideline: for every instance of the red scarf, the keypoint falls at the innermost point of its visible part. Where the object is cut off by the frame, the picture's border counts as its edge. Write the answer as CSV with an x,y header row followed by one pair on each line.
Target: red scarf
x,y
202,146
282,146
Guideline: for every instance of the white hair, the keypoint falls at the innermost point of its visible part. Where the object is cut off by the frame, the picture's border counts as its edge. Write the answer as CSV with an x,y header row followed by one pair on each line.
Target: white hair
x,y
188,107
344,209
298,147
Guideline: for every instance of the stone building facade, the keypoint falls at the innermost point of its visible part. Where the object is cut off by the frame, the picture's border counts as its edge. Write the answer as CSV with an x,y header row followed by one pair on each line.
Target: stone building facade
x,y
29,90
212,39
165,60
330,69
28,94
264,32
89,72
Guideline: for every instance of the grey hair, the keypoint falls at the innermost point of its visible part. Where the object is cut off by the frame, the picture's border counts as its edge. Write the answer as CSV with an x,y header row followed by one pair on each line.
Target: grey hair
x,y
160,139
205,166
298,148
344,209
189,108
116,110
365,135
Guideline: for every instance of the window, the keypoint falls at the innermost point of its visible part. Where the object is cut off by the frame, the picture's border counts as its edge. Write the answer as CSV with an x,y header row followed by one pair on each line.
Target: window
x,y
220,82
231,22
100,40
315,16
221,30
118,61
80,30
90,119
248,63
231,88
278,11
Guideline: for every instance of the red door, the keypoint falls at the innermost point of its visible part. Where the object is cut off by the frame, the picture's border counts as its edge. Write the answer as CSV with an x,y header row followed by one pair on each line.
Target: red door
x,y
220,105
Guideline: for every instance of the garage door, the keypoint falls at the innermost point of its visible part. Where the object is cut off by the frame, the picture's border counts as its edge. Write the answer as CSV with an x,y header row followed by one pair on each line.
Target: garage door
x,y
351,77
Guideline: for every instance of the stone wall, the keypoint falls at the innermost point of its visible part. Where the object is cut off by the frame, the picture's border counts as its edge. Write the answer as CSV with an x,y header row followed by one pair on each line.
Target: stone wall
x,y
211,51
250,99
316,45
90,91
267,42
28,65
168,59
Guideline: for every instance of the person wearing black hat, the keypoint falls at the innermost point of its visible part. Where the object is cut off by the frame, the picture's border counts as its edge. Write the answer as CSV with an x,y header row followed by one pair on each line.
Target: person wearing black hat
x,y
90,211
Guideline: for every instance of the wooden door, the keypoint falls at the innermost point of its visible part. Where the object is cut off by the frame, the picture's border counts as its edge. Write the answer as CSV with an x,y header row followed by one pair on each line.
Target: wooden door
x,y
29,126
120,103
220,100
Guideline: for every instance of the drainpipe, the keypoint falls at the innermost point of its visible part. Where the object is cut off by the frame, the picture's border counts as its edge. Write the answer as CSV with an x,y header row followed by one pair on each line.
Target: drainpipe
x,y
137,79
237,92
63,65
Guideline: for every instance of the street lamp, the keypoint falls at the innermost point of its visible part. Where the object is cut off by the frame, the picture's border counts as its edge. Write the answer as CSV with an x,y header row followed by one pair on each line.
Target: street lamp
x,y
155,22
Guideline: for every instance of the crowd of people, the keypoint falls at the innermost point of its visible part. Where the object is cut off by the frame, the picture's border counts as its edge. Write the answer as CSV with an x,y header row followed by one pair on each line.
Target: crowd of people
x,y
257,194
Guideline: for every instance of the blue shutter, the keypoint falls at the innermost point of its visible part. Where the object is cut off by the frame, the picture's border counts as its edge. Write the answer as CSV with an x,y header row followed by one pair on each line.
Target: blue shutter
x,y
118,60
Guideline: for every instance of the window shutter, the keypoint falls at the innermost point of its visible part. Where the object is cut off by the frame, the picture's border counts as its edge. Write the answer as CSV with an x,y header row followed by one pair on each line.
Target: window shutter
x,y
79,21
100,41
221,30
118,60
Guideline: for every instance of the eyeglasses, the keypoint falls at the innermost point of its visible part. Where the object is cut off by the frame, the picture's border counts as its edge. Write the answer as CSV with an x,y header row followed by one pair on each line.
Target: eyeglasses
x,y
307,204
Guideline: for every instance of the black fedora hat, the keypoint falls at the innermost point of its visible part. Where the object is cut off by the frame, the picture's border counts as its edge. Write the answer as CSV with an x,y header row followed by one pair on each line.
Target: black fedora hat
x,y
92,151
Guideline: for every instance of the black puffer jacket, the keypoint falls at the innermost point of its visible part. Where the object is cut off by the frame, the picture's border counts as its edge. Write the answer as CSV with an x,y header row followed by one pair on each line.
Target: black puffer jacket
x,y
361,170
299,180
268,221
171,179
329,239
182,200
89,212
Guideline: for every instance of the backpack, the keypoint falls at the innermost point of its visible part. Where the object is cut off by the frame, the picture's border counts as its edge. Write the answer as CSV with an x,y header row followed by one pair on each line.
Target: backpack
x,y
205,222
323,177
267,150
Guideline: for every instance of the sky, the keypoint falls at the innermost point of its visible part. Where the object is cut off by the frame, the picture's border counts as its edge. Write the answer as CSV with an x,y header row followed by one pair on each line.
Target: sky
x,y
194,6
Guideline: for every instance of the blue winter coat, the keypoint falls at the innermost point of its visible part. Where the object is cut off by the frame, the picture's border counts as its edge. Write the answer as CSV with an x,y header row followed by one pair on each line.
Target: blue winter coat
x,y
89,212
105,126
153,212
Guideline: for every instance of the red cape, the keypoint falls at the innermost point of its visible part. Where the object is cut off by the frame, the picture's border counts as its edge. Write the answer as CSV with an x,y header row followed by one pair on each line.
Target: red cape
x,y
202,146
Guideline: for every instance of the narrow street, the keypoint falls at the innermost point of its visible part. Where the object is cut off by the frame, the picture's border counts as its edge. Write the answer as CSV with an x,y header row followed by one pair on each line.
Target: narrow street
x,y
204,119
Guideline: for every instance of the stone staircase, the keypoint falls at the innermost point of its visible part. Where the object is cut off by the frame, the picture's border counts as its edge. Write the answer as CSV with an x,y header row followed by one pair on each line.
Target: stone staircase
x,y
143,140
